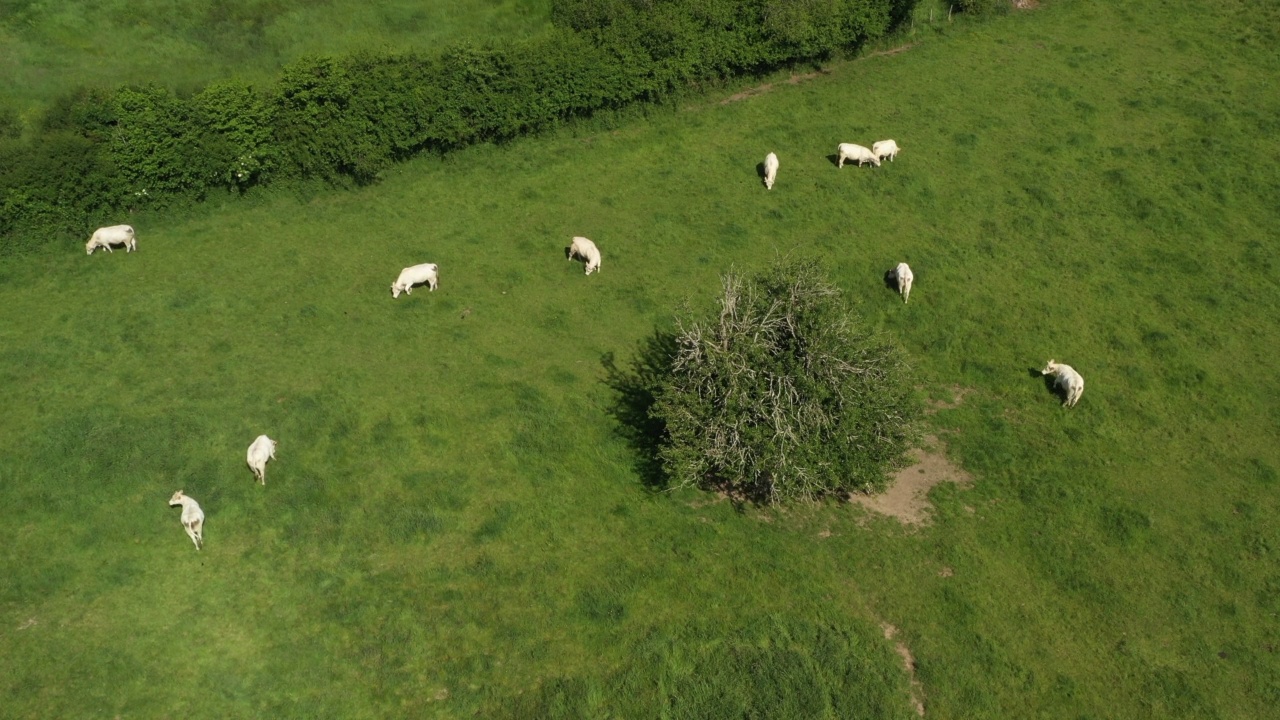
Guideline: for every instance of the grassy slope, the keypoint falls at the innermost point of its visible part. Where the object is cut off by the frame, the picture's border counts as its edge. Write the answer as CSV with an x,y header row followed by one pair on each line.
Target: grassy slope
x,y
49,48
451,516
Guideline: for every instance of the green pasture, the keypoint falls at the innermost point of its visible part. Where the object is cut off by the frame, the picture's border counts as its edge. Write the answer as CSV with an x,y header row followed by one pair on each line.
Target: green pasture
x,y
48,47
455,526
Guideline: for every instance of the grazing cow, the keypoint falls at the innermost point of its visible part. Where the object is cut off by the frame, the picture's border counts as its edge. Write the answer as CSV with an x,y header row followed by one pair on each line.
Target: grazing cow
x,y
586,250
849,151
770,170
902,278
885,149
114,235
428,273
192,517
1068,381
262,450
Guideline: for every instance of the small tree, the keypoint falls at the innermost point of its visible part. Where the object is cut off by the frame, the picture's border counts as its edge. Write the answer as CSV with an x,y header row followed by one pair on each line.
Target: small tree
x,y
782,394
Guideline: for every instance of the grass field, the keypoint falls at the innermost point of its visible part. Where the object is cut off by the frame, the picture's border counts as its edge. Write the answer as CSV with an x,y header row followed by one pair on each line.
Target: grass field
x,y
454,527
49,48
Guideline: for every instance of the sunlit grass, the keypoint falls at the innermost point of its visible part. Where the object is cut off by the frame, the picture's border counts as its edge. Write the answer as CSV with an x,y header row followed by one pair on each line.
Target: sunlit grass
x,y
453,526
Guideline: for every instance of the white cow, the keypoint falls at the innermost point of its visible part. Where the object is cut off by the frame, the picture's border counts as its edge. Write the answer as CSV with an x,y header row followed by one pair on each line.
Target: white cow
x,y
770,170
114,235
885,149
1068,381
586,250
192,517
903,278
262,450
849,151
428,273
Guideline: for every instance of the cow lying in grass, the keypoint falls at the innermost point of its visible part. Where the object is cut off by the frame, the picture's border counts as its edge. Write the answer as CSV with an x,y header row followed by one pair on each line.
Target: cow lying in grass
x,y
1067,380
192,517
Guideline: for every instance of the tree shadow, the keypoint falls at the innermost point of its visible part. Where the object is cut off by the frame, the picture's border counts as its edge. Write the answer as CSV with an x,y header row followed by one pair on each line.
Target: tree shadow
x,y
635,390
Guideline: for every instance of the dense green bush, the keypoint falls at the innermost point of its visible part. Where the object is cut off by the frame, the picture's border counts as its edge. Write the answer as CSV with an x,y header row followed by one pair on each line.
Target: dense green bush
x,y
162,147
89,112
983,6
10,124
345,119
781,394
243,127
58,187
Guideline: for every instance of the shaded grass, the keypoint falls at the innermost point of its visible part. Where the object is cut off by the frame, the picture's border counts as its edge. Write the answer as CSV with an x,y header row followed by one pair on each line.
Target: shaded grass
x,y
453,524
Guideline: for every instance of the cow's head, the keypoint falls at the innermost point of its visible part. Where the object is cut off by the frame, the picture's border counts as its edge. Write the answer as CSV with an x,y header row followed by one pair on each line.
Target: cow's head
x,y
177,498
395,290
1050,369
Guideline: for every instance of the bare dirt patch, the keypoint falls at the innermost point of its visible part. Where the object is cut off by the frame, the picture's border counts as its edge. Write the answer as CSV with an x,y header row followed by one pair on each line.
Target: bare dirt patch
x,y
958,393
890,51
907,496
749,92
794,79
908,664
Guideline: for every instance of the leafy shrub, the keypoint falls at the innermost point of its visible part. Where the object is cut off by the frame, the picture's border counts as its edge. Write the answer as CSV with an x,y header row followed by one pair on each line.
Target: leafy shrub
x,y
160,147
87,112
10,124
587,15
780,394
61,185
242,121
983,6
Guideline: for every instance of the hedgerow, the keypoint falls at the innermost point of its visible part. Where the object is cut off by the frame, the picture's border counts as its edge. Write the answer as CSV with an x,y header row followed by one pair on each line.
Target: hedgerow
x,y
99,154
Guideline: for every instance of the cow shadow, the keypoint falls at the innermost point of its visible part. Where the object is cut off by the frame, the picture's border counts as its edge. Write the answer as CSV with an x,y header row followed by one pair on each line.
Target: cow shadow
x,y
569,254
1050,383
834,159
760,172
891,279
417,286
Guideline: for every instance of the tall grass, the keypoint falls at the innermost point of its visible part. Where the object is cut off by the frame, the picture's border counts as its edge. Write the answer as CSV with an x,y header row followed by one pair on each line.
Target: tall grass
x,y
454,526
49,49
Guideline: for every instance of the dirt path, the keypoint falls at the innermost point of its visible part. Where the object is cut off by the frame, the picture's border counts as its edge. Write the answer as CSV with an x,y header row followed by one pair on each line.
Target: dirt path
x,y
797,79
908,664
